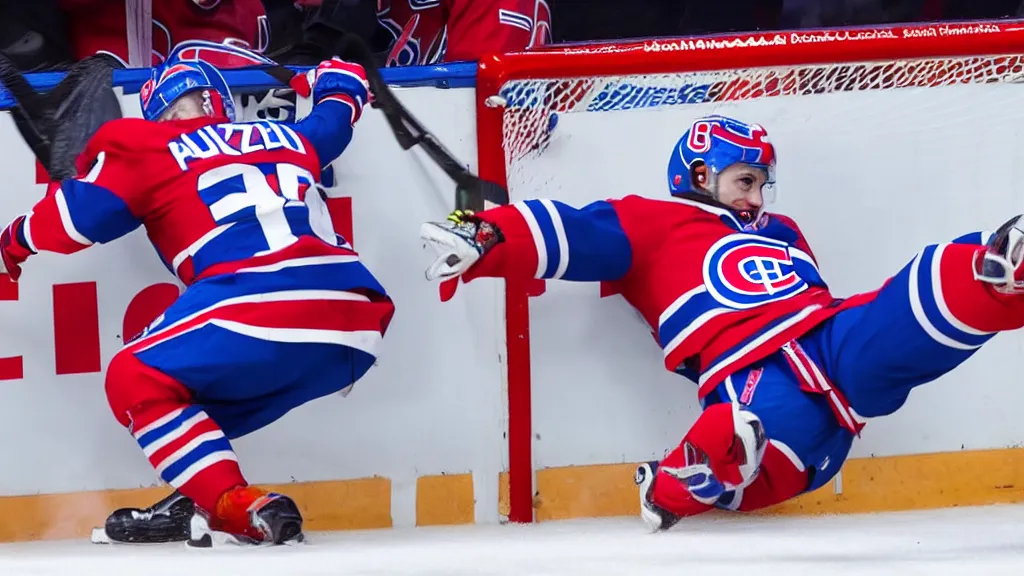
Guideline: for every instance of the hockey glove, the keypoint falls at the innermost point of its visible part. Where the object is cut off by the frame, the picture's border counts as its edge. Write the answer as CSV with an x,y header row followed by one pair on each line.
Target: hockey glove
x,y
459,242
342,81
13,249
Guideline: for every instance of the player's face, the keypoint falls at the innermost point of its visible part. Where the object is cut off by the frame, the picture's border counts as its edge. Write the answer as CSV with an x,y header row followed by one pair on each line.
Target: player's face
x,y
739,186
185,108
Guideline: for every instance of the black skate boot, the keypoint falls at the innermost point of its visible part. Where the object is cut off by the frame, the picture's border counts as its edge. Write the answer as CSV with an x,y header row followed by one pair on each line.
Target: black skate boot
x,y
278,518
166,521
266,519
655,516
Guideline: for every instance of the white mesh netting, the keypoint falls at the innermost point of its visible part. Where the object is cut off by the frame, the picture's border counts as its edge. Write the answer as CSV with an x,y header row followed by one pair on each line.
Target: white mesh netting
x,y
532,106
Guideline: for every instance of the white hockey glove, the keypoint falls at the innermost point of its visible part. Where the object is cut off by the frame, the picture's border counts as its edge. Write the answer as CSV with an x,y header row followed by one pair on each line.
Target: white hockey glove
x,y
459,242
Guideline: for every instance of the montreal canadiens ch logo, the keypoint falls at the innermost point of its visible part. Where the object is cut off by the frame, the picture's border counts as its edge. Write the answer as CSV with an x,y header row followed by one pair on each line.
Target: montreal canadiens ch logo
x,y
743,271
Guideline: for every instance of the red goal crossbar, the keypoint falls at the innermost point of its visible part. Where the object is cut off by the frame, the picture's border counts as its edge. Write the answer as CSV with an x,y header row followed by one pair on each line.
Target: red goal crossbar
x,y
682,55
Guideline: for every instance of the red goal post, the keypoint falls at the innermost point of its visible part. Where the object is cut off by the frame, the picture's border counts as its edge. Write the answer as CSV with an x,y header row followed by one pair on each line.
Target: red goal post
x,y
518,94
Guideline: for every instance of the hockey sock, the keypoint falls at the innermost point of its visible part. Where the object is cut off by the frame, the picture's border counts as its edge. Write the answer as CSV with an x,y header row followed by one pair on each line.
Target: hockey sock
x,y
188,450
943,287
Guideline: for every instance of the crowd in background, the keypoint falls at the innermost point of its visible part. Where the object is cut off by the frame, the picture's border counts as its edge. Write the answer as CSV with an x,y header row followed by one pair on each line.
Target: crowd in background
x,y
588,20
51,34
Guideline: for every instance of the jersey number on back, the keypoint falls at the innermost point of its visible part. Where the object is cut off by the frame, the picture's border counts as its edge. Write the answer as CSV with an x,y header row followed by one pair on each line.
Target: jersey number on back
x,y
240,192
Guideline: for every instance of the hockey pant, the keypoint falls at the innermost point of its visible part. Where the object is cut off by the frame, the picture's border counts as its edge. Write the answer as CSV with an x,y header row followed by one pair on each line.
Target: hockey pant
x,y
228,358
813,395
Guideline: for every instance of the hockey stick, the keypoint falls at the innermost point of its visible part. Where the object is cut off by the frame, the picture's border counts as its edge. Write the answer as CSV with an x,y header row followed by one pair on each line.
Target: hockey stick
x,y
471,192
57,125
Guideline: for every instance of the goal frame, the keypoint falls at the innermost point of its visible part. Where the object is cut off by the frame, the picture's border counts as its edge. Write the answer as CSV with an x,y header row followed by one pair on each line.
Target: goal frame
x,y
680,55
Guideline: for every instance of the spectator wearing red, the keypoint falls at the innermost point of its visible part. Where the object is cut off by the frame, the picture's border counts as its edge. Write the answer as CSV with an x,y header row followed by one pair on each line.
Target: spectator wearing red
x,y
431,31
102,26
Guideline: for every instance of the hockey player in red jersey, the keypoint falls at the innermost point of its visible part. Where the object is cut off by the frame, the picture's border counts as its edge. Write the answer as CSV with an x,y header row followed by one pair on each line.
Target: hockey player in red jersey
x,y
432,31
277,311
786,372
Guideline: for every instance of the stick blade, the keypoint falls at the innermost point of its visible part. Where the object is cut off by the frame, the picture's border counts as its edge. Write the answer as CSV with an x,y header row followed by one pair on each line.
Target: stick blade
x,y
29,113
84,101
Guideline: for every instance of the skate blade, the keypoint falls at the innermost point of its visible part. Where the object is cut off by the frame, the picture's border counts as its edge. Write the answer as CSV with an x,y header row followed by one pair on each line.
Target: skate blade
x,y
99,536
203,537
221,540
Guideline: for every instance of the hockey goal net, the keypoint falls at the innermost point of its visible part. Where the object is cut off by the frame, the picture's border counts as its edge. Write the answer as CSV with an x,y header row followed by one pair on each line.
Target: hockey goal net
x,y
850,111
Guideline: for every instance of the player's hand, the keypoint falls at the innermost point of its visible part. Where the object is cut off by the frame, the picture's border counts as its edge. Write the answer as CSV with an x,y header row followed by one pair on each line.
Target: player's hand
x,y
346,82
12,253
460,217
459,242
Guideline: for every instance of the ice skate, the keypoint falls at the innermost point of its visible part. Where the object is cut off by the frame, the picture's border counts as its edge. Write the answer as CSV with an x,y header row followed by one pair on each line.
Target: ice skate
x,y
655,516
166,521
248,516
1002,264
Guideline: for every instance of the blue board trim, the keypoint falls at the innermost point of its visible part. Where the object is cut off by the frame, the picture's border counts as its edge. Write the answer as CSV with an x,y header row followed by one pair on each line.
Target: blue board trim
x,y
454,75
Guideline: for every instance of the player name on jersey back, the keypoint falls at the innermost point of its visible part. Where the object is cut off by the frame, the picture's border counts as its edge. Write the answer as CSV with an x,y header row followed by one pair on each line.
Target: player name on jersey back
x,y
233,140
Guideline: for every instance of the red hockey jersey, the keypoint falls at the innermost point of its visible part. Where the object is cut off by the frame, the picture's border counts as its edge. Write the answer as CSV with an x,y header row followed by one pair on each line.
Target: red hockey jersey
x,y
431,31
214,196
716,298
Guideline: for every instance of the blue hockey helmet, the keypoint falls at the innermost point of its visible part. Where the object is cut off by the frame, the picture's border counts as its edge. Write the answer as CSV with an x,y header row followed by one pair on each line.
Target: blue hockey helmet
x,y
176,78
718,142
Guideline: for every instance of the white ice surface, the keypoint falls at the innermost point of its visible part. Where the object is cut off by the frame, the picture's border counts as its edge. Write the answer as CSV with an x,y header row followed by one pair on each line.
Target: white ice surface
x,y
983,541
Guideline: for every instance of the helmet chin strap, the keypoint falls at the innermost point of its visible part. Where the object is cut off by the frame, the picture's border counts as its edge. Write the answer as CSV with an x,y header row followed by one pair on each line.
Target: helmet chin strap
x,y
750,220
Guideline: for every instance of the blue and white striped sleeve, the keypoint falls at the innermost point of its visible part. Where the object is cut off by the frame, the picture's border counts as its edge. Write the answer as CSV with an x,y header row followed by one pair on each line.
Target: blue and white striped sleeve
x,y
547,239
979,238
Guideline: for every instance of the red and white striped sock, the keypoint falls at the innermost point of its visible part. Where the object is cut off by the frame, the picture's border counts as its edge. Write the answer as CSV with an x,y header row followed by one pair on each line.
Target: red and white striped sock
x,y
188,450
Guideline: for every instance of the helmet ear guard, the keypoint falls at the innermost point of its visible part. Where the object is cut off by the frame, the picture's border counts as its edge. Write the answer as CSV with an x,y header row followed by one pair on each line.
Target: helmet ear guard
x,y
213,102
716,143
703,180
696,174
699,174
172,80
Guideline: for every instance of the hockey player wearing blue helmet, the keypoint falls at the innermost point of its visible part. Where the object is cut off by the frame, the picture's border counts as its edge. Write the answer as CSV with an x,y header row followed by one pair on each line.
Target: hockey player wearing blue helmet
x,y
787,373
277,311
